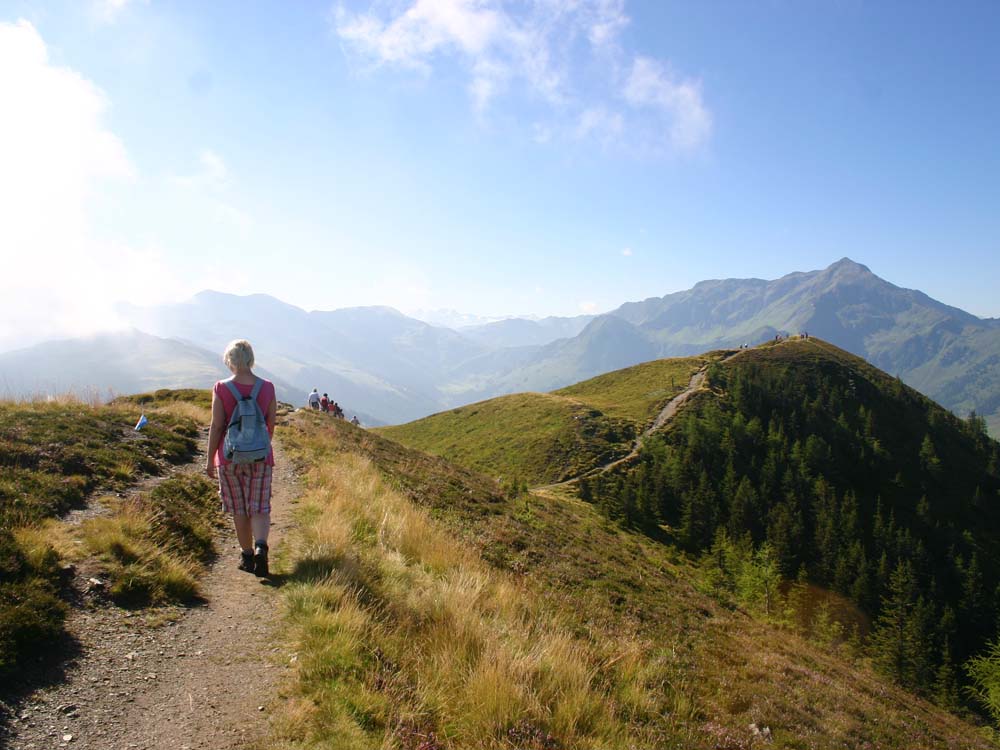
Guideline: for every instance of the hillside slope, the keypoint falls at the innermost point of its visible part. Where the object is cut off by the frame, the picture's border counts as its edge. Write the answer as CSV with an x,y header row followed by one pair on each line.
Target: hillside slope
x,y
584,635
843,477
546,438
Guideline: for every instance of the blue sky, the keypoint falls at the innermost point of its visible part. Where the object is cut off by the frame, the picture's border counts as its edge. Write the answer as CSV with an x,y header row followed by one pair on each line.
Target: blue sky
x,y
539,156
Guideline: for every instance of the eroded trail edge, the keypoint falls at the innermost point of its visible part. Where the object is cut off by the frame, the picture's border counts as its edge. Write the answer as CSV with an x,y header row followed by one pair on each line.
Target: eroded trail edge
x,y
180,678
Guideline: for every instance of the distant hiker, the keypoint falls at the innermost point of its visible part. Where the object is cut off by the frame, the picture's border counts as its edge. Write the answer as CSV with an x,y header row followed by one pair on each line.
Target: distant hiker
x,y
324,403
355,421
240,453
314,400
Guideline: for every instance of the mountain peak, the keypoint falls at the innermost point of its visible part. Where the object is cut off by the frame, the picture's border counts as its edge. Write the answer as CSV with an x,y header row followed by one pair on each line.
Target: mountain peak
x,y
846,265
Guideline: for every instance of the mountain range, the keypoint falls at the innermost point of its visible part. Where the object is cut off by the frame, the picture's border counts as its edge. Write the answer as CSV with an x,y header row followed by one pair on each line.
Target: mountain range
x,y
393,368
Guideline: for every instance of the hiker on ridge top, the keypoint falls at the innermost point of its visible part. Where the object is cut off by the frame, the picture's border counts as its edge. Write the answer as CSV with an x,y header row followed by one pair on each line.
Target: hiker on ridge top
x,y
314,399
324,403
245,475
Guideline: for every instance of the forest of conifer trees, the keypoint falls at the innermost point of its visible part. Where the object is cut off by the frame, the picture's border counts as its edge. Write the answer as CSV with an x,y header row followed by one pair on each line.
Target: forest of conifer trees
x,y
827,473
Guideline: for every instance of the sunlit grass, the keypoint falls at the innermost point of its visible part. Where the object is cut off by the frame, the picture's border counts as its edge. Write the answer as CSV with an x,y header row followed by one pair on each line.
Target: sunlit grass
x,y
397,625
153,547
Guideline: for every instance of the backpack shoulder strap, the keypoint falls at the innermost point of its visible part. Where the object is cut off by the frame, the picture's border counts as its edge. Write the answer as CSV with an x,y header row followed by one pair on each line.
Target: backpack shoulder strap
x,y
256,389
232,389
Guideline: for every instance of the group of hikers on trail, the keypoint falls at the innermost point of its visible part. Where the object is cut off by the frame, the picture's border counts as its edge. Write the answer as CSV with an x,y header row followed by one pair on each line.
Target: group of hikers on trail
x,y
240,455
327,405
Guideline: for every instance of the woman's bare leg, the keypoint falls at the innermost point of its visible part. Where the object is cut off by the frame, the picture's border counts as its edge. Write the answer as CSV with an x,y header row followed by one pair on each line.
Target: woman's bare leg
x,y
261,524
244,532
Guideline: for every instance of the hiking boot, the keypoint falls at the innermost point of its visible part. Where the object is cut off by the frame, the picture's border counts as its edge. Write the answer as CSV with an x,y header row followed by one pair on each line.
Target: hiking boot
x,y
260,561
247,562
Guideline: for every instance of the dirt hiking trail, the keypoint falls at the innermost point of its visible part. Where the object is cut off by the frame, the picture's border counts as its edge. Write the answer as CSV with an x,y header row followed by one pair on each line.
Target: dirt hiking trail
x,y
176,678
666,414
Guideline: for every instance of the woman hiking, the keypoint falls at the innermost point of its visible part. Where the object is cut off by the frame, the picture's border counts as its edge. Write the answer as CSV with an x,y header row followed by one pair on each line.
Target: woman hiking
x,y
244,475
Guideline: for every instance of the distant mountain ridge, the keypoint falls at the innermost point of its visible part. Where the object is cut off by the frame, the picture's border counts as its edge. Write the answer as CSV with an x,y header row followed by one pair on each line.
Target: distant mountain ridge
x,y
397,368
943,351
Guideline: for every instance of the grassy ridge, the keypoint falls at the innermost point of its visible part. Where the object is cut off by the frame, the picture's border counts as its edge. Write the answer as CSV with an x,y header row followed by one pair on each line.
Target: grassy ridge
x,y
540,437
637,393
52,456
546,438
393,602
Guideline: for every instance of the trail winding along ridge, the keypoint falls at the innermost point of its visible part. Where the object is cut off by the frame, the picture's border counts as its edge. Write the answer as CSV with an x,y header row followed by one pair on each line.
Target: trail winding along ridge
x,y
202,677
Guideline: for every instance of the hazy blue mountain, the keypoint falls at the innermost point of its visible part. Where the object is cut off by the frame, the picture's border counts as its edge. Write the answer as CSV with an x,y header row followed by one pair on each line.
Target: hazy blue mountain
x,y
525,332
372,358
119,363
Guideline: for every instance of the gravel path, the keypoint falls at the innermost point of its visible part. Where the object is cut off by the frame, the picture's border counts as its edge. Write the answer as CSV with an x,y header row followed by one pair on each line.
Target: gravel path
x,y
174,678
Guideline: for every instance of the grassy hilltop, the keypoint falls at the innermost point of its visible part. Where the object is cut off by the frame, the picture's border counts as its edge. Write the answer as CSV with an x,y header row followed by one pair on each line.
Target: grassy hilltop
x,y
550,437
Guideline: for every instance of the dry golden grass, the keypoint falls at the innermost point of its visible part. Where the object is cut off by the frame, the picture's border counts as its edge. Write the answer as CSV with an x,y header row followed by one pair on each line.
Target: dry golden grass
x,y
401,630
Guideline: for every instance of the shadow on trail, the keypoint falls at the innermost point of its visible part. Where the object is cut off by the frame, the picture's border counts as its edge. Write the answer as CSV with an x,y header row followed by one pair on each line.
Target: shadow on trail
x,y
44,670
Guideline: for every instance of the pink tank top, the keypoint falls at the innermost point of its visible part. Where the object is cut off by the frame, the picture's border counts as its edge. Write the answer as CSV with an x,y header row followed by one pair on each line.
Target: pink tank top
x,y
264,399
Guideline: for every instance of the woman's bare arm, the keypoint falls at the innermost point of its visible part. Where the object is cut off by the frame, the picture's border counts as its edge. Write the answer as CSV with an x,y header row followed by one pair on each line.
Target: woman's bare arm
x,y
272,415
215,433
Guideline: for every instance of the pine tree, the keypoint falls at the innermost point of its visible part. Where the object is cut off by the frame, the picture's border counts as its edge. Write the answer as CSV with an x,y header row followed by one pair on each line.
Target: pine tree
x,y
946,690
901,641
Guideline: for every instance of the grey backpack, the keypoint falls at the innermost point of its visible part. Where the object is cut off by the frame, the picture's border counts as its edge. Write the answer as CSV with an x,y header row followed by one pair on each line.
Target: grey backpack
x,y
247,439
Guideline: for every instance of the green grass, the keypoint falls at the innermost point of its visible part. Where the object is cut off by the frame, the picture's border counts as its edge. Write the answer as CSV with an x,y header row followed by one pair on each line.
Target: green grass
x,y
550,437
539,437
670,666
637,393
166,396
52,456
151,548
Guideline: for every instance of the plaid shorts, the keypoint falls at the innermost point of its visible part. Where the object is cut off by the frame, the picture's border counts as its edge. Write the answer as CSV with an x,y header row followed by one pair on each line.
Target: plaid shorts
x,y
245,489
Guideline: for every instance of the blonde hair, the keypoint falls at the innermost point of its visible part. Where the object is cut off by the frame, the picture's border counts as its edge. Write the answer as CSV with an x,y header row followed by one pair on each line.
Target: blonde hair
x,y
239,354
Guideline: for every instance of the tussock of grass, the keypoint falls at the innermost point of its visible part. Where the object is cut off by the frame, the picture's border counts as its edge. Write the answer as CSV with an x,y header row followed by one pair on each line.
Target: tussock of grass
x,y
153,546
186,403
402,632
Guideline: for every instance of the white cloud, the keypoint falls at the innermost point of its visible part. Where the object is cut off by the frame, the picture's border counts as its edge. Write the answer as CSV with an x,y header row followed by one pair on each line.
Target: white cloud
x,y
600,124
651,84
627,252
57,158
589,308
565,53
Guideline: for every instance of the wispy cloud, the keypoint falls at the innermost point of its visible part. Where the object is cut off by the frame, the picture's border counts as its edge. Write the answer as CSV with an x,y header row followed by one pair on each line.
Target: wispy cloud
x,y
651,84
566,54
212,173
211,183
627,252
